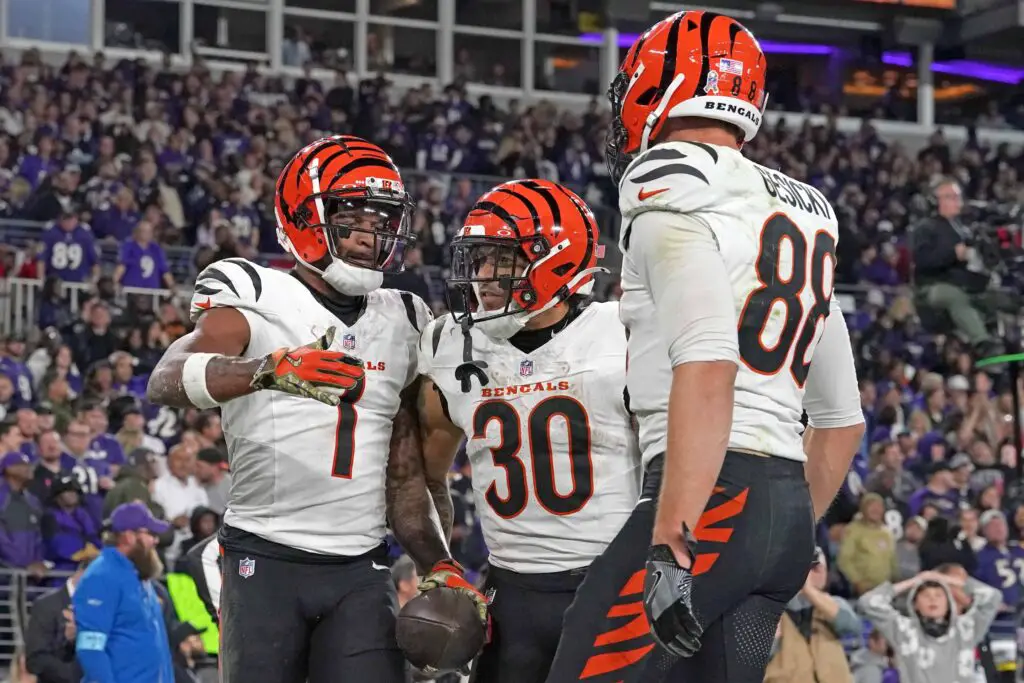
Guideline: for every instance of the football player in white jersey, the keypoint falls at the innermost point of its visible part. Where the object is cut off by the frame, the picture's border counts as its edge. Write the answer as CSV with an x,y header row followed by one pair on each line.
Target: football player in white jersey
x,y
533,374
733,333
306,592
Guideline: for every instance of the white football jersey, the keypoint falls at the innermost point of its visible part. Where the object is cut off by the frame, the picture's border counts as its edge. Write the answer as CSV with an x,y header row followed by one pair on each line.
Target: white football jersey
x,y
556,468
777,237
304,474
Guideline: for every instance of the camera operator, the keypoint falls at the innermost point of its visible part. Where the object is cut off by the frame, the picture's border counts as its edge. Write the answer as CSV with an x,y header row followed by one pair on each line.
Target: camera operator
x,y
942,279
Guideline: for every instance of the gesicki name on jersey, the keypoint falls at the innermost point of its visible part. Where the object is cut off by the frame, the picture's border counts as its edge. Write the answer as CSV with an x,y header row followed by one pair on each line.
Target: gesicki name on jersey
x,y
795,193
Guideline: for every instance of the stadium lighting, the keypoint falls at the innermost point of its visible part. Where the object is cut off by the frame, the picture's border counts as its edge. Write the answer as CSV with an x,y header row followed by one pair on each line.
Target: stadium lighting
x,y
996,73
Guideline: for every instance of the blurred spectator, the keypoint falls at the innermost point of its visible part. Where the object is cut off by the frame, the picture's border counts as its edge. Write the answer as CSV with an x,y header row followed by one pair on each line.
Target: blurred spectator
x,y
908,554
403,574
870,663
21,538
70,533
212,475
94,476
12,364
187,651
808,643
133,435
945,282
121,634
1001,563
53,464
934,623
178,492
69,251
10,436
938,492
867,554
94,341
142,263
50,636
133,484
943,544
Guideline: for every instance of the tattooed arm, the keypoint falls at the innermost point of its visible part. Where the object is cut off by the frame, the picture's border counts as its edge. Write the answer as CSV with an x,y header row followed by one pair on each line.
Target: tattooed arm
x,y
441,440
219,330
412,513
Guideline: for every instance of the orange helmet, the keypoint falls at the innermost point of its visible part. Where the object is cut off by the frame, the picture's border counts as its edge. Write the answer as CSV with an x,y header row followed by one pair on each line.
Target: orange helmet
x,y
343,189
689,64
525,246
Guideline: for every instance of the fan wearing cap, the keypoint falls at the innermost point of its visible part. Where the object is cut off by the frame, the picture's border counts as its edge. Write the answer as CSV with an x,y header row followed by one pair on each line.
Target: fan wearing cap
x,y
121,634
70,533
939,492
69,250
21,544
187,651
12,364
1001,561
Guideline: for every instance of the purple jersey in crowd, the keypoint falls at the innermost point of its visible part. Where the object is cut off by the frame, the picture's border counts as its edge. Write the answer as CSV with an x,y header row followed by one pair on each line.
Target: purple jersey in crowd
x,y
144,266
69,254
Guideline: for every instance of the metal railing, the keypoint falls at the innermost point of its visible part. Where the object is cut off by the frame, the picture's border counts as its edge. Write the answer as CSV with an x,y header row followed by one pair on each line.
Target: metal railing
x,y
20,300
18,591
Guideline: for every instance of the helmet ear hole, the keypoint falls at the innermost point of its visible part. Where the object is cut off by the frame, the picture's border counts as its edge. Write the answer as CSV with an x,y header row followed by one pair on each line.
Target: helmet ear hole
x,y
647,97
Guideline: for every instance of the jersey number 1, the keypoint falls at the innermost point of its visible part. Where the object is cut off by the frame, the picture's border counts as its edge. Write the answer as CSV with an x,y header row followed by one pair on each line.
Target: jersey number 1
x,y
797,329
345,435
506,455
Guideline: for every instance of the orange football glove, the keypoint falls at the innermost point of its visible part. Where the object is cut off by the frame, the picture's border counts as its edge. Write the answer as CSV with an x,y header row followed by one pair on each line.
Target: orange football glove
x,y
450,573
312,371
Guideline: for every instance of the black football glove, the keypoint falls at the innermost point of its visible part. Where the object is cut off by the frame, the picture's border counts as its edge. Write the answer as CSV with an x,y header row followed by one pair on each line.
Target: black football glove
x,y
667,594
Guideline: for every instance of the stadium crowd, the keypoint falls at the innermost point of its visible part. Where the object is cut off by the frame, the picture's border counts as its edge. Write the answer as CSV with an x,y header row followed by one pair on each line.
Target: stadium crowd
x,y
126,160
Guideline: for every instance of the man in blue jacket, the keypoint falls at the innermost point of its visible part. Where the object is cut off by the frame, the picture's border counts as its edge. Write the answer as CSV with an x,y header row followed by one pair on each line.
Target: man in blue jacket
x,y
121,632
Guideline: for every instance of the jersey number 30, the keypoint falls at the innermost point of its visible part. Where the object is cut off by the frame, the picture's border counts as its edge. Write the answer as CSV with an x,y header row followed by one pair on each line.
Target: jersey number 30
x,y
506,455
798,326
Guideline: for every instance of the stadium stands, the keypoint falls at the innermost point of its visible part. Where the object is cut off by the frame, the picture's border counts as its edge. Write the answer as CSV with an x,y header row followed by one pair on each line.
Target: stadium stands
x,y
93,146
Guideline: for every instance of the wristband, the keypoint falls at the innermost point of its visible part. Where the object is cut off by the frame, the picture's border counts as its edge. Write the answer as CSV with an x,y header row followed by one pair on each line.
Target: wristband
x,y
193,380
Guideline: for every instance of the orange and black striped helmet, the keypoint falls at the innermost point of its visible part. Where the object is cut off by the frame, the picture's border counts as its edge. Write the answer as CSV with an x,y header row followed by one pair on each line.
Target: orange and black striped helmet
x,y
525,246
689,64
337,186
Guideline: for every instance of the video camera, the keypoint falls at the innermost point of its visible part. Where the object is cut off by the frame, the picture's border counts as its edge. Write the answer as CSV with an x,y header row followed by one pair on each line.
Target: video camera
x,y
995,229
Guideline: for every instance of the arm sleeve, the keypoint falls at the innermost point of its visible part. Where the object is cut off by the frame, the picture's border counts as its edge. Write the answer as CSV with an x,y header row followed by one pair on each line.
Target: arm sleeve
x,y
876,605
846,623
677,258
95,602
984,608
832,398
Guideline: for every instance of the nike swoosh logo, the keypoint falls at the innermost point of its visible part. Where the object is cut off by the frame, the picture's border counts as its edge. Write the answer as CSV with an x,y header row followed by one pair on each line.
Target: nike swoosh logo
x,y
379,566
642,195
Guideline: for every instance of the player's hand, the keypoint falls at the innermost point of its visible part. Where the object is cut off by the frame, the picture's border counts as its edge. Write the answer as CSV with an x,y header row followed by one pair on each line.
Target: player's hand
x,y
667,599
311,371
450,573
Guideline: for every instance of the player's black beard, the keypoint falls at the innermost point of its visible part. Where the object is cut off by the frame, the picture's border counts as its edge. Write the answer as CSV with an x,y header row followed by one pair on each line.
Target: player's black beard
x,y
147,562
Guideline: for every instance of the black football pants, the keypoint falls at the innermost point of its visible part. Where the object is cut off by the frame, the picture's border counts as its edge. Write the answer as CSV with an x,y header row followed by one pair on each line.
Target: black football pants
x,y
289,622
755,544
526,624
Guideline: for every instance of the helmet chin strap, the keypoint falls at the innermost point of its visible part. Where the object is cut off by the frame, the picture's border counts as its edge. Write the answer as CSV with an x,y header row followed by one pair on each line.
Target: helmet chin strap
x,y
503,327
342,277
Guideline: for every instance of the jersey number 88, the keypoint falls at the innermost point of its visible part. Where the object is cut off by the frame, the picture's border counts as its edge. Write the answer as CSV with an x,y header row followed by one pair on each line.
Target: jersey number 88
x,y
798,326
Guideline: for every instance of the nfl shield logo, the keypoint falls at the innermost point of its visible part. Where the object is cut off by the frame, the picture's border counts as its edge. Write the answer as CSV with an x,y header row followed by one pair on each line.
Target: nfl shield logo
x,y
526,368
246,568
349,341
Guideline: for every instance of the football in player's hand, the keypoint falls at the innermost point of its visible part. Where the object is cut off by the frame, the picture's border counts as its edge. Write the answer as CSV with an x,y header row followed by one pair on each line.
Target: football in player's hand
x,y
440,629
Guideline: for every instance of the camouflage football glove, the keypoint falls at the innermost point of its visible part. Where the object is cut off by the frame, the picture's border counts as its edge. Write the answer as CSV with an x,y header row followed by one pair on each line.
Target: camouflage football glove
x,y
312,371
450,573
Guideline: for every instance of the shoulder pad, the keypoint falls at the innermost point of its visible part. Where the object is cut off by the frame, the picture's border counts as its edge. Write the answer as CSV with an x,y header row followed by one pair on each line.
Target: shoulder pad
x,y
416,310
430,342
675,176
231,283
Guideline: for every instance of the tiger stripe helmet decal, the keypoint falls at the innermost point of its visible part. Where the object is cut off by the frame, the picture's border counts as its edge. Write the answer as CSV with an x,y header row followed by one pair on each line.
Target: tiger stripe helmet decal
x,y
693,63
